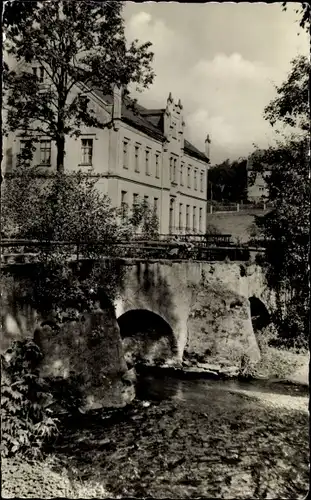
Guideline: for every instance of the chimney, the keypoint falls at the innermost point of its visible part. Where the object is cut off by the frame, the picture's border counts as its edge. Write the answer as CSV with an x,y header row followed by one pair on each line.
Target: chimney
x,y
117,102
207,146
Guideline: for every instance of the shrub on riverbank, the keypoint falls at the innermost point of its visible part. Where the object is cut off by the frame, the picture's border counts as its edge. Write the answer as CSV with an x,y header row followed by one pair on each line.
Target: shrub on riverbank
x,y
27,421
29,403
276,362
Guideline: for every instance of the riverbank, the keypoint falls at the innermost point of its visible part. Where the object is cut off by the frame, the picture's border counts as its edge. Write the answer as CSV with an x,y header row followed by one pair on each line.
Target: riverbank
x,y
275,364
193,438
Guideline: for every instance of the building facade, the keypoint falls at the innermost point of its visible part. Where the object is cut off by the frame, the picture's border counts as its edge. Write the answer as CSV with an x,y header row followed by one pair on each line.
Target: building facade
x,y
141,155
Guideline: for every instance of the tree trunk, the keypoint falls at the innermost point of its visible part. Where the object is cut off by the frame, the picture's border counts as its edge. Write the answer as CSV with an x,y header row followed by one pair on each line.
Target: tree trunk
x,y
60,145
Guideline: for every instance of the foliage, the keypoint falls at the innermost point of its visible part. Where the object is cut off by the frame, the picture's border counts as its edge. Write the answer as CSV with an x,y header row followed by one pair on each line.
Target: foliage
x,y
144,220
81,47
69,208
286,227
291,105
14,13
67,394
228,181
64,208
26,418
304,13
286,230
67,290
212,229
46,479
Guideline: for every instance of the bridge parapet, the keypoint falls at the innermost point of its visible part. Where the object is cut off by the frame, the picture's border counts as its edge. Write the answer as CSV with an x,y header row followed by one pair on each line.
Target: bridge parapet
x,y
184,248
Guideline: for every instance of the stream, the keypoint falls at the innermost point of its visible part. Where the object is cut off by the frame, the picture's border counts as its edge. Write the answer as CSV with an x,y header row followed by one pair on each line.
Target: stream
x,y
198,438
201,391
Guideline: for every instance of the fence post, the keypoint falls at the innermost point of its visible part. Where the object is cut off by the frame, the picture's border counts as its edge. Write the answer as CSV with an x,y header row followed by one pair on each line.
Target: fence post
x,y
211,209
237,207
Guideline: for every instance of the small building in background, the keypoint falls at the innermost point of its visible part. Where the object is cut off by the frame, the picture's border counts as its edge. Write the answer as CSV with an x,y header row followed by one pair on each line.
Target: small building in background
x,y
257,189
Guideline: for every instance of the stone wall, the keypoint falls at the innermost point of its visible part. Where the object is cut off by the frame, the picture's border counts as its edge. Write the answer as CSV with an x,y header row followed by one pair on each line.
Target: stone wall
x,y
220,331
89,346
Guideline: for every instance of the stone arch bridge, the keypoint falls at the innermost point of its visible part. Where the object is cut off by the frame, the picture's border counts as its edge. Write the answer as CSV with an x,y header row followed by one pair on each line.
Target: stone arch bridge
x,y
189,313
171,291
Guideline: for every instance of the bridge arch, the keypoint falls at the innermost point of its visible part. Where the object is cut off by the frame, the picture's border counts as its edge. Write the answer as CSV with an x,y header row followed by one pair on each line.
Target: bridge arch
x,y
260,314
147,337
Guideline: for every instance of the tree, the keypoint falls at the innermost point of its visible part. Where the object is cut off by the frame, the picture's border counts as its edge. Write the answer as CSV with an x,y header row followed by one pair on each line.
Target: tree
x,y
81,47
291,106
228,181
72,223
304,13
15,11
287,227
144,220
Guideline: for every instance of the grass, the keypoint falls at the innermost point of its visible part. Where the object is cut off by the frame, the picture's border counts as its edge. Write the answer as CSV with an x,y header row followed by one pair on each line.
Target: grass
x,y
237,224
276,362
279,363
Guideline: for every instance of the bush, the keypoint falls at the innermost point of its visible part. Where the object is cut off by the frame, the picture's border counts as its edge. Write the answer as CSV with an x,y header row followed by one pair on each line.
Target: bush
x,y
67,394
27,419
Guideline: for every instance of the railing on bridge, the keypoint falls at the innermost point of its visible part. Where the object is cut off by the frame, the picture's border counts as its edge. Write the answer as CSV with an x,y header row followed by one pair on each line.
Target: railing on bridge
x,y
210,247
200,239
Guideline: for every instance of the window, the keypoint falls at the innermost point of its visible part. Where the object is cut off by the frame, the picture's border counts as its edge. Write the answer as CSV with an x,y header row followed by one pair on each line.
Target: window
x,y
188,177
156,206
172,215
187,217
174,130
194,217
135,199
200,220
171,169
24,144
9,159
201,181
147,162
124,203
174,169
45,152
25,152
38,72
182,173
87,151
195,180
136,157
125,153
180,216
157,165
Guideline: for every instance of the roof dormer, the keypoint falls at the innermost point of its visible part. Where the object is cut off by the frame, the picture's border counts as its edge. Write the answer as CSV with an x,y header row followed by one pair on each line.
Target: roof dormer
x,y
173,121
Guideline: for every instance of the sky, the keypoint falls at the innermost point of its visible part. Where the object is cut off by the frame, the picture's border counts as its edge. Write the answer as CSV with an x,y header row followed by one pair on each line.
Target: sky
x,y
223,61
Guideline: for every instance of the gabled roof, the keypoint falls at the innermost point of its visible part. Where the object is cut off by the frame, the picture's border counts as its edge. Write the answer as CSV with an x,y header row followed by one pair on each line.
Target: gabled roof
x,y
149,121
191,150
130,113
